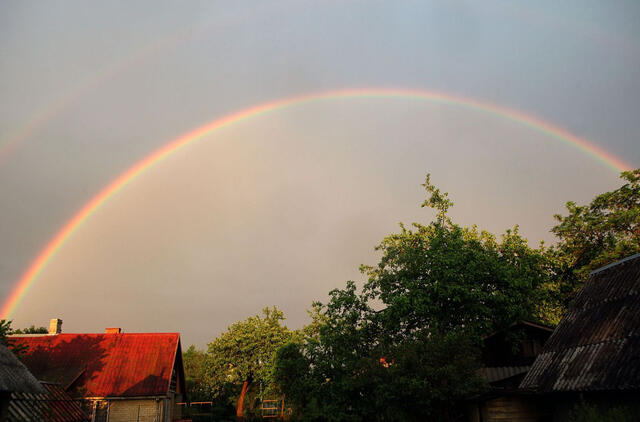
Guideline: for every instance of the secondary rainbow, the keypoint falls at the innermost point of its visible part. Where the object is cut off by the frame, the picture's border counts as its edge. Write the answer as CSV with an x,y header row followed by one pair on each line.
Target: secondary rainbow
x,y
64,234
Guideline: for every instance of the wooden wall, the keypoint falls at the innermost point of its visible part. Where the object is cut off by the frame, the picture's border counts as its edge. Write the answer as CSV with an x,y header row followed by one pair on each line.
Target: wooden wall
x,y
128,410
511,408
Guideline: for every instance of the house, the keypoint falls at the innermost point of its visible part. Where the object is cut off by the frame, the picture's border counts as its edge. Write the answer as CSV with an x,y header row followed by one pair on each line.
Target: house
x,y
592,357
594,353
25,399
118,376
507,356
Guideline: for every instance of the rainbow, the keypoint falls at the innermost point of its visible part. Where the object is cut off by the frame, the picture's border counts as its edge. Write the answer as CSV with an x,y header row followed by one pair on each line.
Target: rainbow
x,y
66,232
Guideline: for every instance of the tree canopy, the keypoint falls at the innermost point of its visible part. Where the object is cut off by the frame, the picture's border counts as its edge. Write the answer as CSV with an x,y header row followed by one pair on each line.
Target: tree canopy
x,y
594,235
406,346
441,277
5,332
193,360
242,357
31,330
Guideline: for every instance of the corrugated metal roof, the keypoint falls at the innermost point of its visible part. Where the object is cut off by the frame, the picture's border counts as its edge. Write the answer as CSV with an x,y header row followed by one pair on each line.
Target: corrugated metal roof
x,y
497,373
105,365
14,376
54,405
596,346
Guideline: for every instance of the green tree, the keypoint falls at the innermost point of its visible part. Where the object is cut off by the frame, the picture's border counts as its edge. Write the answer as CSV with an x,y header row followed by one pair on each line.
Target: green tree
x,y
32,330
241,359
324,375
444,277
348,373
437,289
594,235
5,332
193,360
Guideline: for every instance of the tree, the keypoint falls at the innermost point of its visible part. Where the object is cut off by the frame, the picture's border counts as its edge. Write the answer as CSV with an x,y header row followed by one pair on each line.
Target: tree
x,y
242,358
441,277
194,374
348,373
31,330
324,375
594,235
437,289
5,332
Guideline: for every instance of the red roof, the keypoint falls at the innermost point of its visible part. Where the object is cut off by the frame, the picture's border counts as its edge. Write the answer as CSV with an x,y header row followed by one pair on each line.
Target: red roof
x,y
106,365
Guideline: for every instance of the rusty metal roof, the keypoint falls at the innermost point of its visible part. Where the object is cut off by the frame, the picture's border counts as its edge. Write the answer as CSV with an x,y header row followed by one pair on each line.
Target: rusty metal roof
x,y
54,405
105,365
596,346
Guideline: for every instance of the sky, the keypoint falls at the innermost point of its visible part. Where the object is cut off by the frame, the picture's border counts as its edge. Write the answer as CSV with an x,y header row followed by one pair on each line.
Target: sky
x,y
280,208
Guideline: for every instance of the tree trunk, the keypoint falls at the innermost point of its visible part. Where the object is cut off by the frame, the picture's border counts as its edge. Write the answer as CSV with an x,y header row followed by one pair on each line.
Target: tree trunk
x,y
239,411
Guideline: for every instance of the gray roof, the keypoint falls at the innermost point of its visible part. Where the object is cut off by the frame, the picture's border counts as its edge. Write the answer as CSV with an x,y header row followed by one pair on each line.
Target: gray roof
x,y
596,346
54,405
498,373
14,376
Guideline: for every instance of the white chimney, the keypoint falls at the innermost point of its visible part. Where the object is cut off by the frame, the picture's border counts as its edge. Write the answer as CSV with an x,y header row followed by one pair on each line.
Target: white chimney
x,y
55,326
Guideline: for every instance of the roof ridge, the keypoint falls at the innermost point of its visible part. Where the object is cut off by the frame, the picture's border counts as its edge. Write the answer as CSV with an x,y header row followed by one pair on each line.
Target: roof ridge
x,y
613,264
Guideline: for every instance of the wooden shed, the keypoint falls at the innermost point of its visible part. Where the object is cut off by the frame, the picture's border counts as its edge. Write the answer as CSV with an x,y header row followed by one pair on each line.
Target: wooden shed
x,y
507,356
593,357
594,352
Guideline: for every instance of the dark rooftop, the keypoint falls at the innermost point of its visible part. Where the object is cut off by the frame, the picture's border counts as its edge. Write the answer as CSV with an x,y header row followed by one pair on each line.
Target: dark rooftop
x,y
53,405
14,376
596,346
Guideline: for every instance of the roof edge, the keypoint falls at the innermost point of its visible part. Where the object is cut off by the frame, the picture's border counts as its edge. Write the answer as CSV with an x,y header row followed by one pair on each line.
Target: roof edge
x,y
613,264
524,322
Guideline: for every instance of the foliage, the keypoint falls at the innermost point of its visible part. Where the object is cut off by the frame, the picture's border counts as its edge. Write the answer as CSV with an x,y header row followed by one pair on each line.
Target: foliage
x,y
445,277
584,411
406,346
244,353
594,235
311,331
5,332
291,372
324,376
32,330
193,360
427,378
347,375
441,287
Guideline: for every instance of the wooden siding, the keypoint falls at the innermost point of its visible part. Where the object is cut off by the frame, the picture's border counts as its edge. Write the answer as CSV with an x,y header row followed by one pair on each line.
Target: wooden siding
x,y
512,408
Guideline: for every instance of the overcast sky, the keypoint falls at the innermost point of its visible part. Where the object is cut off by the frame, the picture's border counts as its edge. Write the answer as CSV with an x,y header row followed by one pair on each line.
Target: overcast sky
x,y
281,208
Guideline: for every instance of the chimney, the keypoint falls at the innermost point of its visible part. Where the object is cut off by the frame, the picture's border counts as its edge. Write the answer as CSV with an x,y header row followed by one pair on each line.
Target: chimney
x,y
113,330
55,326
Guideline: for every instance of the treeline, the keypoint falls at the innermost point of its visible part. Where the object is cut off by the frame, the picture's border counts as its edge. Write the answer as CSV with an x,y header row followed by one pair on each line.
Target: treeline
x,y
405,346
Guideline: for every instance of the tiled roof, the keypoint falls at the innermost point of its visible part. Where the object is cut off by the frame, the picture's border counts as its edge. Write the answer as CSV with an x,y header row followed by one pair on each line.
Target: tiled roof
x,y
596,346
104,365
14,376
53,405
